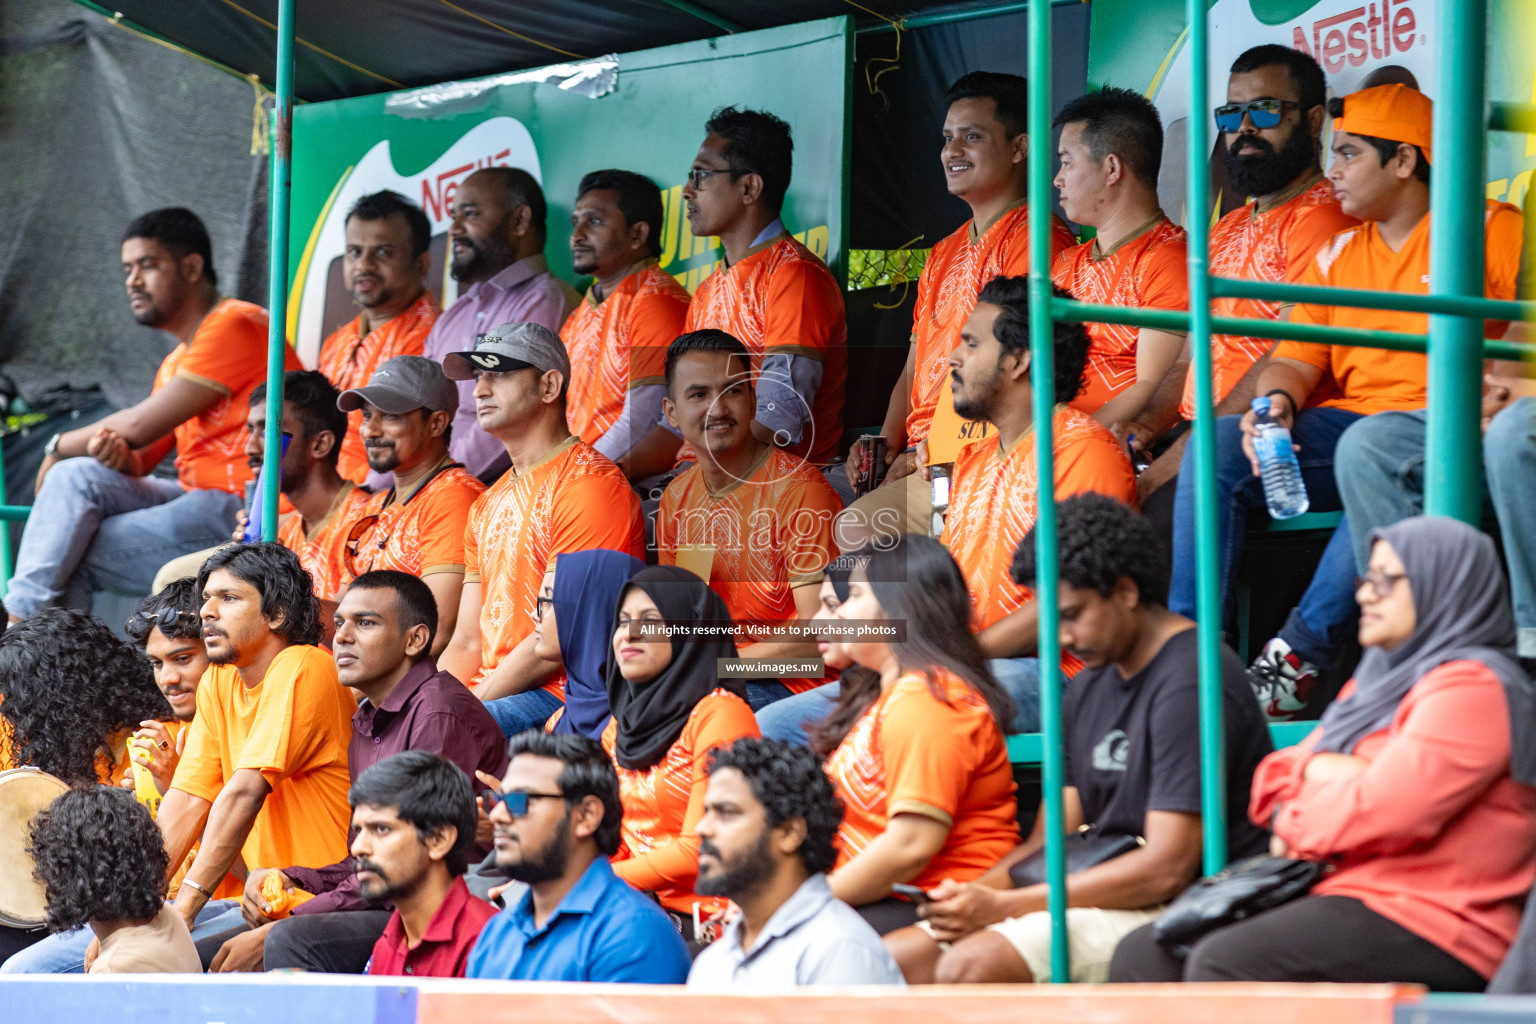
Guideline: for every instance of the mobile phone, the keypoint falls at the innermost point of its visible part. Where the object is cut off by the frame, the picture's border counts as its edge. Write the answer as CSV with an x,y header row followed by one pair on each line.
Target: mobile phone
x,y
911,892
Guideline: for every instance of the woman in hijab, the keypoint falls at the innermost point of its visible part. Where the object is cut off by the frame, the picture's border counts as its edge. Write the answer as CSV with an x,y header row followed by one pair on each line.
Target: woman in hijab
x,y
670,709
1416,787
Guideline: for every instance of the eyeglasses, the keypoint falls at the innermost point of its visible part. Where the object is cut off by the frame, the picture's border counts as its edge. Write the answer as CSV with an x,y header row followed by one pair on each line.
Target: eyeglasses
x,y
696,175
168,619
517,801
541,603
1265,113
1381,583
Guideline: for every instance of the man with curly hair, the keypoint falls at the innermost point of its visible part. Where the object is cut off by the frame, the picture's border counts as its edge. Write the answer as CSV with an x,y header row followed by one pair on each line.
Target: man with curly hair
x,y
770,816
100,857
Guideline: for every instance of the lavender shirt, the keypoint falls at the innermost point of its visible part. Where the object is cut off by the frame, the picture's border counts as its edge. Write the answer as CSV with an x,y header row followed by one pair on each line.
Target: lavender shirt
x,y
525,292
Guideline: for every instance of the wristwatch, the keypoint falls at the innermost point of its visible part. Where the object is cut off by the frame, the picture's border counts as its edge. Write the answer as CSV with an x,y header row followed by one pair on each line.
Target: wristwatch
x,y
51,449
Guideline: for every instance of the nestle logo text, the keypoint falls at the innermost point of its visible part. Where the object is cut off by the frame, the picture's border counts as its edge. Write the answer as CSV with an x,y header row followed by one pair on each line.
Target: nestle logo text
x,y
1370,33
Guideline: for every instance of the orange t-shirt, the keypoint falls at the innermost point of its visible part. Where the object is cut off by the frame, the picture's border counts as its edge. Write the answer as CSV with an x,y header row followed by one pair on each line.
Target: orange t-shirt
x,y
573,499
912,753
618,344
322,551
1277,244
1147,271
763,536
958,268
348,360
659,850
1370,380
422,534
994,499
293,727
228,354
780,299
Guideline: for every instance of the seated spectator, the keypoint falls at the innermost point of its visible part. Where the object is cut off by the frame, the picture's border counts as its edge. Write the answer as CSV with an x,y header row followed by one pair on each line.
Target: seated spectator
x,y
416,524
766,843
102,862
560,496
1416,787
573,621
753,520
923,774
557,823
102,521
993,496
1132,765
413,821
618,335
384,264
384,628
1380,171
672,704
790,719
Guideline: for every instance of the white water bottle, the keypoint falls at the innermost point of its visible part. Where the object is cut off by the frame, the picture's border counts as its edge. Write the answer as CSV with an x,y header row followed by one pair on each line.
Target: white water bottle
x,y
1284,492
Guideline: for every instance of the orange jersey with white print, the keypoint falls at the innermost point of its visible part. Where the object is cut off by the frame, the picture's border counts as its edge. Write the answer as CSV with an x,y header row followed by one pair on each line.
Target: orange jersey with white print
x,y
764,535
780,299
573,499
958,267
348,359
228,353
618,344
322,551
421,533
1147,271
945,759
994,499
1276,244
1371,380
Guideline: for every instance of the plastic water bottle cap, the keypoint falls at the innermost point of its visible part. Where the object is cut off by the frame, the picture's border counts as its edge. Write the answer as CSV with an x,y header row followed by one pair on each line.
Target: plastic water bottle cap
x,y
1260,405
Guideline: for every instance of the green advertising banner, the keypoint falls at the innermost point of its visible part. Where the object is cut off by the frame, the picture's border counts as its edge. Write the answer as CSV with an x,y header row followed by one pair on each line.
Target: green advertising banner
x,y
641,111
1139,44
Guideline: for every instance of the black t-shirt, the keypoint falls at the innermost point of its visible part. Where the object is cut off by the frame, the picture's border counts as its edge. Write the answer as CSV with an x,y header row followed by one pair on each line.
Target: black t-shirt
x,y
1133,745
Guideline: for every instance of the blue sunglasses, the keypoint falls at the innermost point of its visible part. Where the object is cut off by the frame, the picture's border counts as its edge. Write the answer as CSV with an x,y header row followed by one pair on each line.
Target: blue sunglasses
x,y
517,801
1265,113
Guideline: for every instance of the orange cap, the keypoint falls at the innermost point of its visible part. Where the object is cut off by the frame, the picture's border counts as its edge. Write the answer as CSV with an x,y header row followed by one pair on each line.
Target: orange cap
x,y
1396,113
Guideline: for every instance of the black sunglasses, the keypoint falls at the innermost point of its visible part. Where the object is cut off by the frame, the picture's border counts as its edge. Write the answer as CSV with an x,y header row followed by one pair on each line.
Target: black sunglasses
x,y
516,801
168,619
1265,113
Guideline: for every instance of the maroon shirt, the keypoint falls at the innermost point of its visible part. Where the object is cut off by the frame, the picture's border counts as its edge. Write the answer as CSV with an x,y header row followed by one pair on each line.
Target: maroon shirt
x,y
445,945
431,711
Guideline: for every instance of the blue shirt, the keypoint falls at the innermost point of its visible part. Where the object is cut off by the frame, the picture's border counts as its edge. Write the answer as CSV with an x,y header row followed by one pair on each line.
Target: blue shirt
x,y
603,930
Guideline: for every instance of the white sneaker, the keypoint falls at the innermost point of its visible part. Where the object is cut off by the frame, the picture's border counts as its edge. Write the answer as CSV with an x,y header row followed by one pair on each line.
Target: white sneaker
x,y
1282,681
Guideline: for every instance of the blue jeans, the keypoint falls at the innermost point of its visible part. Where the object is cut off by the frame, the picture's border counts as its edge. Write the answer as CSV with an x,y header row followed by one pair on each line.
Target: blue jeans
x,y
1381,477
64,952
764,692
523,711
786,719
93,528
1317,432
1021,678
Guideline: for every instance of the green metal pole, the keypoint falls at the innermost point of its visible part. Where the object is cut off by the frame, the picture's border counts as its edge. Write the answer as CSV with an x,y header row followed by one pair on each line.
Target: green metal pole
x,y
1453,471
1213,760
1042,380
277,264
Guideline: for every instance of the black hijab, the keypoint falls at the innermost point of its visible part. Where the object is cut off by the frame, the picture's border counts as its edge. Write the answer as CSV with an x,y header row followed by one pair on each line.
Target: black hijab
x,y
1461,613
651,715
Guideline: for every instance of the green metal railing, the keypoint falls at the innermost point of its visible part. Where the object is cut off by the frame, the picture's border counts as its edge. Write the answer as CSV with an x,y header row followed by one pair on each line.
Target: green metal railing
x,y
277,265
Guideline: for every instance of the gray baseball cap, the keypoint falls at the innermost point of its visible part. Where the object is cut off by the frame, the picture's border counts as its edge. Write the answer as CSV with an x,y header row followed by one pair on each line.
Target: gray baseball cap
x,y
405,384
511,347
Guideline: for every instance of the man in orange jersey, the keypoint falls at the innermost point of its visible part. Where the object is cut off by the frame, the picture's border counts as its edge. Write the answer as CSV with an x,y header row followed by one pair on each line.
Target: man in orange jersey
x,y
559,496
994,495
1272,125
617,338
1111,150
100,521
1380,172
984,155
752,520
770,292
385,265
263,778
416,525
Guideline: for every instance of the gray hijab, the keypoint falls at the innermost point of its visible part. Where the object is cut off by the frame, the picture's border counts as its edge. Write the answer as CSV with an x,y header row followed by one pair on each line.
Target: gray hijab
x,y
1462,612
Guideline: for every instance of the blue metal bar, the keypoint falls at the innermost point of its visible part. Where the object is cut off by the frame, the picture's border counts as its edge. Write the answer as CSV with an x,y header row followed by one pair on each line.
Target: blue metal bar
x,y
277,264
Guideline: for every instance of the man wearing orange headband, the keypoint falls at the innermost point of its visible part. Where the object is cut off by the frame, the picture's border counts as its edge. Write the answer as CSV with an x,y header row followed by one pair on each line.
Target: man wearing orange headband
x,y
1380,173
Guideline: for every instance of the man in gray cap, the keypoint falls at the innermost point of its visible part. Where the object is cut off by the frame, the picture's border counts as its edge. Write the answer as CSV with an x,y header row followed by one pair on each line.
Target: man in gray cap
x,y
559,496
417,525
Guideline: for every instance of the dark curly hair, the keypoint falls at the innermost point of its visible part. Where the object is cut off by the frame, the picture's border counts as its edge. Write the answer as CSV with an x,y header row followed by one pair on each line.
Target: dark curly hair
x,y
789,782
1100,541
99,856
286,589
1011,329
67,686
173,611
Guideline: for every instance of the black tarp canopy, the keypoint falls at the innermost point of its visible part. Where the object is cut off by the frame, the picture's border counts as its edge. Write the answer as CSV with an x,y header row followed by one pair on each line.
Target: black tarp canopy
x,y
355,47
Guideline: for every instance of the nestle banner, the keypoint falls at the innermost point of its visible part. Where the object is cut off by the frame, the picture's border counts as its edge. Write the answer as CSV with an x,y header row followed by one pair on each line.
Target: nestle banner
x,y
641,111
